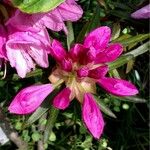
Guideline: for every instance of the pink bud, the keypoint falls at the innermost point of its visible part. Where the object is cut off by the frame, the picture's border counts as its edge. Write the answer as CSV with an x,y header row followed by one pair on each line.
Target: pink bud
x,y
30,98
62,100
57,51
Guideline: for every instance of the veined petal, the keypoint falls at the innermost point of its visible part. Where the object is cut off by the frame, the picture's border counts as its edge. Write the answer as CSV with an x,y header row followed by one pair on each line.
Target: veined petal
x,y
52,20
118,86
57,50
92,116
98,72
39,55
70,11
62,100
20,60
98,38
24,22
143,13
109,54
30,98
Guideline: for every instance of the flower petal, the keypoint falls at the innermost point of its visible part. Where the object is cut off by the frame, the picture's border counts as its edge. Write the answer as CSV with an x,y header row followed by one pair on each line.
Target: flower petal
x,y
92,116
70,11
62,100
30,98
98,38
20,60
66,64
77,52
118,87
83,72
109,54
143,13
57,50
98,72
3,36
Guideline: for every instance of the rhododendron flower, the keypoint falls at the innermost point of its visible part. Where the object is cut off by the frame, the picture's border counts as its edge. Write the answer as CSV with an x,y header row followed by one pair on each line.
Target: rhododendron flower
x,y
143,13
81,68
24,48
54,19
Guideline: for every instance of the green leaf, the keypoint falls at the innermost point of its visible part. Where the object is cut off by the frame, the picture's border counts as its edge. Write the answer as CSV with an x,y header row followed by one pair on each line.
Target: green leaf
x,y
128,56
70,35
104,108
36,6
50,123
133,40
133,99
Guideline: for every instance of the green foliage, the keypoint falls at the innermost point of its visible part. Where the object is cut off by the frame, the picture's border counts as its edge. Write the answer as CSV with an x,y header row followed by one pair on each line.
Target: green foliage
x,y
36,6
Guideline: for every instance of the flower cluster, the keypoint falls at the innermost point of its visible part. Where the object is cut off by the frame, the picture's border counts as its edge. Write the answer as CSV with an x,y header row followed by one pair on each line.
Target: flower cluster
x,y
24,39
84,66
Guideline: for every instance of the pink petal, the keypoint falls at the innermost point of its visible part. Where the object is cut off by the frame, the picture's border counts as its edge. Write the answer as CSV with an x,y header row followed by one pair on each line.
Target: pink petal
x,y
21,46
20,60
98,38
92,116
66,64
57,51
30,98
109,54
70,11
62,100
39,55
3,37
52,20
99,72
23,22
143,13
118,87
77,52
83,72
88,57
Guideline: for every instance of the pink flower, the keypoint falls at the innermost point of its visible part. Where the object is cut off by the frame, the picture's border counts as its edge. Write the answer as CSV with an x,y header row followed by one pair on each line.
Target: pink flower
x,y
54,20
81,68
25,48
143,13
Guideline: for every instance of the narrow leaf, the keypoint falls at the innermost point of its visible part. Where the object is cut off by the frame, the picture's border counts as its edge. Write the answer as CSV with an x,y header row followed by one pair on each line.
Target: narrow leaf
x,y
104,108
131,99
128,56
70,35
50,123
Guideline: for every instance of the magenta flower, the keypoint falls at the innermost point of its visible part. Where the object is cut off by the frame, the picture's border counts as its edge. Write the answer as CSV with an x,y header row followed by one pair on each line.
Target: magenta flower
x,y
81,68
54,20
143,13
25,48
